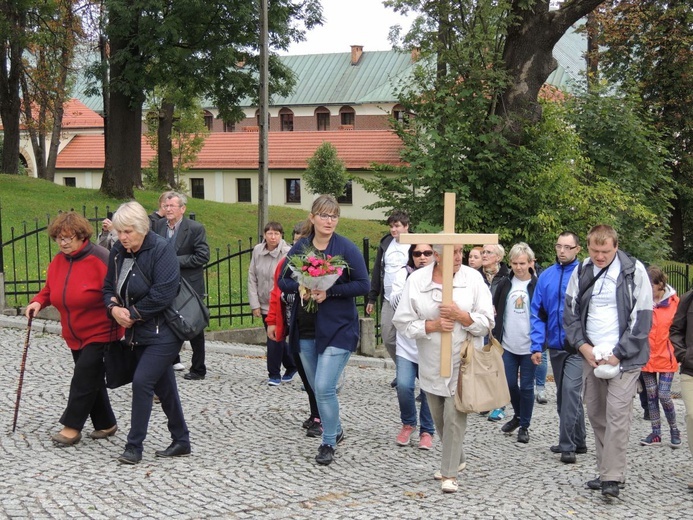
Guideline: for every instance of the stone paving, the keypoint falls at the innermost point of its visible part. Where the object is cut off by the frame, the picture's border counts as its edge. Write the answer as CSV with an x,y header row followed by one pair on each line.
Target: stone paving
x,y
251,458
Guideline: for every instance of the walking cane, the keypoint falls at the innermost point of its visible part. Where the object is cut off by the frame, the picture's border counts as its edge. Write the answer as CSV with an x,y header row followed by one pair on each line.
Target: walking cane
x,y
21,372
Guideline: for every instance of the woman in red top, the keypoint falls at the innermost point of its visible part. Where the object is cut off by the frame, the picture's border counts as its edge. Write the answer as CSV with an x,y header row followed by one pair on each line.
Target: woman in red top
x,y
662,360
74,284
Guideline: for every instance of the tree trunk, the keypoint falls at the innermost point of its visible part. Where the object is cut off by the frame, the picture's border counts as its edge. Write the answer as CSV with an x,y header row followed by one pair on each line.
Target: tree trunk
x,y
676,223
529,60
11,35
165,172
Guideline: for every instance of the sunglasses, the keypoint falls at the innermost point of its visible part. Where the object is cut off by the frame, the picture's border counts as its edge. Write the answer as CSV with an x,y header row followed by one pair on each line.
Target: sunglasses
x,y
417,254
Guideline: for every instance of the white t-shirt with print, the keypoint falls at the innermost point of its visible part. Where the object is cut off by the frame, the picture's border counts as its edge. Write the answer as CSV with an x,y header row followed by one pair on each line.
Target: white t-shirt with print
x,y
516,319
602,315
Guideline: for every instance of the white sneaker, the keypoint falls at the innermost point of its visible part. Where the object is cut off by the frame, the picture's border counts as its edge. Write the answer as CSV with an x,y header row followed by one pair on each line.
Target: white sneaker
x,y
449,486
178,367
439,476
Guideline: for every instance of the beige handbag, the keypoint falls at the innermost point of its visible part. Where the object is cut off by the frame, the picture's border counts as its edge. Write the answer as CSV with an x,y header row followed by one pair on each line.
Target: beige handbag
x,y
481,382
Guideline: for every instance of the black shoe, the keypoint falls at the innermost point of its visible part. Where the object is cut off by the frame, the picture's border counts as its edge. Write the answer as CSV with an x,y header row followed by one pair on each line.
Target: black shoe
x,y
340,437
308,423
610,488
315,429
192,376
568,457
393,383
176,449
511,425
523,435
580,450
325,455
130,456
596,484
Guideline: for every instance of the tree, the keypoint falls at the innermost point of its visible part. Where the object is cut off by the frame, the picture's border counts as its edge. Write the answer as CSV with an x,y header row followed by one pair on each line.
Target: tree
x,y
201,48
13,39
185,139
44,81
326,173
649,44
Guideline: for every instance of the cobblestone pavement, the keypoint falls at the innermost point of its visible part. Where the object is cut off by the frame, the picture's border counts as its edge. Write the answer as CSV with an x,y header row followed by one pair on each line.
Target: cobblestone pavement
x,y
252,459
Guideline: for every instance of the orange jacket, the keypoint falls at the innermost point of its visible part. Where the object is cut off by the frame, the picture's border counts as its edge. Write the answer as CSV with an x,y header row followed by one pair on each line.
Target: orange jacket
x,y
661,350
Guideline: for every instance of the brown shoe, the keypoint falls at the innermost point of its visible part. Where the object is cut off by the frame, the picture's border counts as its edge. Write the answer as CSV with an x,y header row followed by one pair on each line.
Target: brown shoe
x,y
690,486
102,434
61,440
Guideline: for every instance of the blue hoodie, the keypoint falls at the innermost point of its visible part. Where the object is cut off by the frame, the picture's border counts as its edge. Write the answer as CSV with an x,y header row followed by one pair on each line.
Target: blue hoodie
x,y
546,320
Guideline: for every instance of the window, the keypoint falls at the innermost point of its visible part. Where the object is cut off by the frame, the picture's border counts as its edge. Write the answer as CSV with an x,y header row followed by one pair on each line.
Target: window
x,y
286,120
293,191
243,189
257,118
347,116
229,127
70,182
348,197
323,118
197,188
209,119
399,114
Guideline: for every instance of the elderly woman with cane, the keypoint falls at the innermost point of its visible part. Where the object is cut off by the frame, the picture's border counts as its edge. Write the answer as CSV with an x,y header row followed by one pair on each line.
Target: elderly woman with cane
x,y
74,282
421,315
142,281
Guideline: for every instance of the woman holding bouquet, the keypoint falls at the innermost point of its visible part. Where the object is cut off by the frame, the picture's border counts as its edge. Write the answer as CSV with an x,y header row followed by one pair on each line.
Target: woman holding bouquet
x,y
327,337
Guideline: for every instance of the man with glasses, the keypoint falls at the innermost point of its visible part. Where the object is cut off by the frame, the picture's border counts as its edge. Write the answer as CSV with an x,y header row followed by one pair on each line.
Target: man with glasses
x,y
608,303
547,330
190,242
390,258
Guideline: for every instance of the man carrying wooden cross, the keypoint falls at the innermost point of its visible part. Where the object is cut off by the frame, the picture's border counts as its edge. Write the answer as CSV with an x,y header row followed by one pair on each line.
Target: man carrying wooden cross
x,y
443,303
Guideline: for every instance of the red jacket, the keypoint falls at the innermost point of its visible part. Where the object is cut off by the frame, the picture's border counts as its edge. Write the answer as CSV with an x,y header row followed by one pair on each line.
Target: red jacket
x,y
662,357
277,308
74,286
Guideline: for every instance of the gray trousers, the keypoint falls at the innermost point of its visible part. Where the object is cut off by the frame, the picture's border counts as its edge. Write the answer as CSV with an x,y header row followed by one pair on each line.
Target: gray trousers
x,y
609,405
687,395
387,329
567,372
451,426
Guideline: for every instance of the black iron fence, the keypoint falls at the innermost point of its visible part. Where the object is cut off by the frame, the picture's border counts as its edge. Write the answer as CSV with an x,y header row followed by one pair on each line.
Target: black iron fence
x,y
27,251
679,277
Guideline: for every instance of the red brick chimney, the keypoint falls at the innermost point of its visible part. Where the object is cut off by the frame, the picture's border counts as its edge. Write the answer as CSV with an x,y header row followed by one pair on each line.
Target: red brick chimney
x,y
356,52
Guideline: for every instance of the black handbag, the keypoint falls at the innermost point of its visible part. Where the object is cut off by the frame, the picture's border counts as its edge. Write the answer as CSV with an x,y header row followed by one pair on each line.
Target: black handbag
x,y
187,315
120,361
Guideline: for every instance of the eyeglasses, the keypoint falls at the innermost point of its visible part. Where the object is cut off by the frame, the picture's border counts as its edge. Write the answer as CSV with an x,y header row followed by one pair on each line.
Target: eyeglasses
x,y
559,247
65,240
417,254
327,216
488,252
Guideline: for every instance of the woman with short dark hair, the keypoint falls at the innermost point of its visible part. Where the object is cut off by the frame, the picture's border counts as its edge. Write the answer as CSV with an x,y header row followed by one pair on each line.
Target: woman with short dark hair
x,y
74,282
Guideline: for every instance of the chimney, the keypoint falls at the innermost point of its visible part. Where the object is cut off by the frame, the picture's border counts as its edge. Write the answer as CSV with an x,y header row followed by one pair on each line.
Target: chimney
x,y
356,52
415,54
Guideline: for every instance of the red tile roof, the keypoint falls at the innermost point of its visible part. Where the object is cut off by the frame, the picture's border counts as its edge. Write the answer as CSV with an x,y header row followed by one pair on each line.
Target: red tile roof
x,y
75,115
239,150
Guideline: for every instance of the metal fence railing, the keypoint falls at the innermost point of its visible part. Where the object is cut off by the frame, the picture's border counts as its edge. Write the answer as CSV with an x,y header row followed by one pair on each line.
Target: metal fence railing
x,y
26,253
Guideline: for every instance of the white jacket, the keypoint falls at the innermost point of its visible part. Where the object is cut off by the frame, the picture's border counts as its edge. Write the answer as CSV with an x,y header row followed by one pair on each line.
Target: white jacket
x,y
261,273
420,301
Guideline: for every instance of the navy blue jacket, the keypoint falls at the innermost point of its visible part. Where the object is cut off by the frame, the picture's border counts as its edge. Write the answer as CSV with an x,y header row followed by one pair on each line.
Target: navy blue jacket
x,y
337,320
547,307
146,298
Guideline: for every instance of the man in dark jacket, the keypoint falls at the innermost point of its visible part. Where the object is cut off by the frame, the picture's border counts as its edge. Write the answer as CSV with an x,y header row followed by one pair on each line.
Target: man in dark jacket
x,y
390,258
608,303
547,329
190,242
682,339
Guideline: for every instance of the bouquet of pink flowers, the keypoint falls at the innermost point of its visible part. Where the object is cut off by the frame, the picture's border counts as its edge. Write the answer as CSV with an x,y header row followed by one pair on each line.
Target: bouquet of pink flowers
x,y
315,271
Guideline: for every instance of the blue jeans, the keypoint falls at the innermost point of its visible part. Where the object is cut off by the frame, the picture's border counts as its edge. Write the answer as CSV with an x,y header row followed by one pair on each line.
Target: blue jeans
x,y
323,371
522,397
407,372
541,370
154,374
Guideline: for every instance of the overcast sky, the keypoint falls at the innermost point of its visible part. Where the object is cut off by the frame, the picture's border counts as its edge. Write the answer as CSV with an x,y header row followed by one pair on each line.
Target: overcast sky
x,y
351,22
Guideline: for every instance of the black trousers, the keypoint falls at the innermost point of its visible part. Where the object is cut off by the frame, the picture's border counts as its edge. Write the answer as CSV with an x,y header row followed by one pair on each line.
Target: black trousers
x,y
88,395
314,413
197,364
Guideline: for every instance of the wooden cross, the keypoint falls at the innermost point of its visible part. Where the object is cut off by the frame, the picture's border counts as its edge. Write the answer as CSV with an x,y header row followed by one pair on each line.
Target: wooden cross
x,y
448,239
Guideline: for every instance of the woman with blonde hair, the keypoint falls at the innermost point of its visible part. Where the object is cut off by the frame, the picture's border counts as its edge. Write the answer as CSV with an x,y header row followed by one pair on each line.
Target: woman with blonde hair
x,y
326,338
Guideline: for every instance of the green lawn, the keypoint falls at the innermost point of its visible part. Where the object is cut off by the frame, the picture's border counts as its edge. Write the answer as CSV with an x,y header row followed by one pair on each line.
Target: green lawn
x,y
27,203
